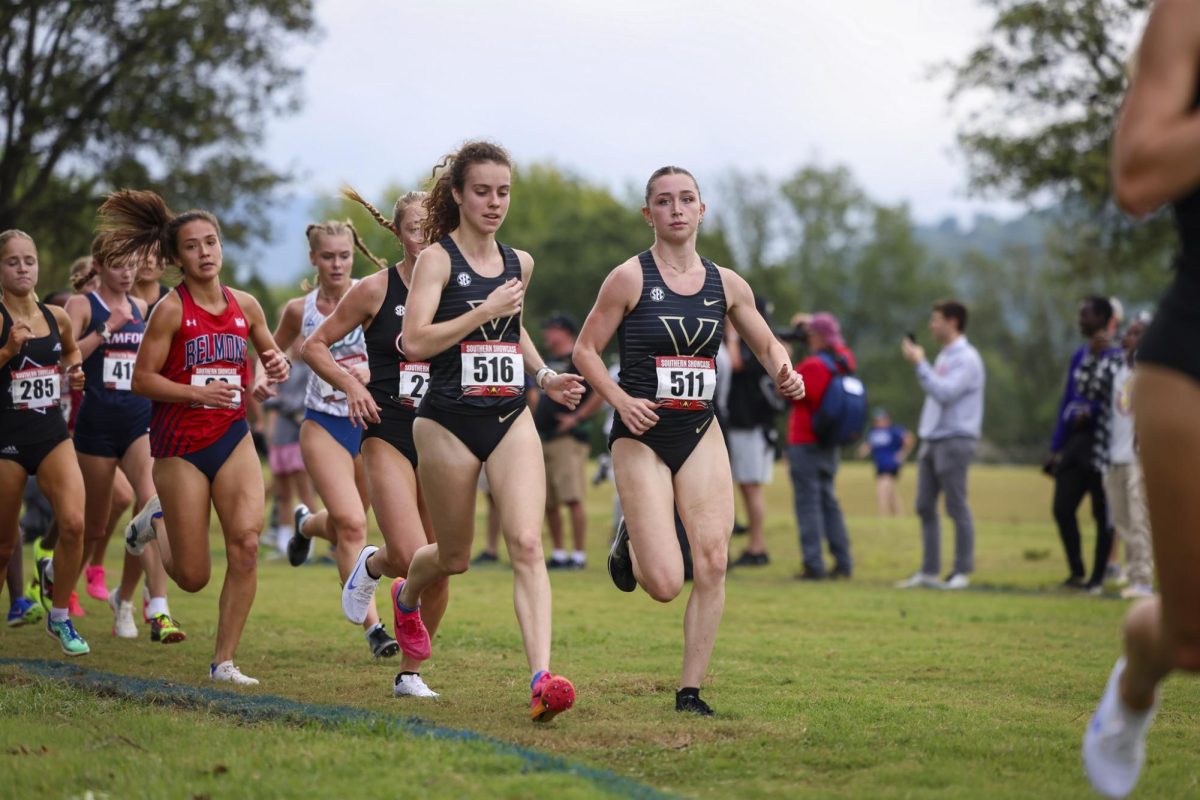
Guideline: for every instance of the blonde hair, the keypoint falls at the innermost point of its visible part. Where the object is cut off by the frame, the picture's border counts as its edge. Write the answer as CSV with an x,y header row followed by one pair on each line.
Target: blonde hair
x,y
335,227
9,235
406,200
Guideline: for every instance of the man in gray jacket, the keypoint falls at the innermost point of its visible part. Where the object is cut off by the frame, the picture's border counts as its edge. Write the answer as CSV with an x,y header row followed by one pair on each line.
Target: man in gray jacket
x,y
951,421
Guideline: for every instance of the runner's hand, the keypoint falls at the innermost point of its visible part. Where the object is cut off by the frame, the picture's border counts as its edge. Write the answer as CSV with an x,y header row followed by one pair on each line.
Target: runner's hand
x,y
564,388
263,390
218,394
789,383
362,406
276,365
20,333
75,376
638,415
505,301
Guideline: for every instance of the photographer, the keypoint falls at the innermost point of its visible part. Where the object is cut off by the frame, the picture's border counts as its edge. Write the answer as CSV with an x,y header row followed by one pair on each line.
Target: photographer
x,y
811,464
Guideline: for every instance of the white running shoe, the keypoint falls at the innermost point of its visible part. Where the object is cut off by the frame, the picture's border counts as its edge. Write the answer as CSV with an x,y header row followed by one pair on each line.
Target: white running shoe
x,y
227,672
1114,744
359,590
412,686
140,530
1137,590
919,580
956,581
123,625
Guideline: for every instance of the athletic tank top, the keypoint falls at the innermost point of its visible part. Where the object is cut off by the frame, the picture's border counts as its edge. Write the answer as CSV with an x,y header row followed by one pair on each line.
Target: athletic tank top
x,y
349,351
206,348
484,372
669,341
1187,223
163,291
396,383
31,387
108,371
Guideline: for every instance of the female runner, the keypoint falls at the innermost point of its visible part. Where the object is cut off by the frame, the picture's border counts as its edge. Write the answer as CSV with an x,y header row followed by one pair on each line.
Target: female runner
x,y
329,440
193,364
668,307
112,429
464,316
36,349
1156,160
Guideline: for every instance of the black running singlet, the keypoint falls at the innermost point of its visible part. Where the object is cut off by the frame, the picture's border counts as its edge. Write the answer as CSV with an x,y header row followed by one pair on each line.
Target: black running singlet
x,y
1187,223
31,387
484,372
396,382
669,341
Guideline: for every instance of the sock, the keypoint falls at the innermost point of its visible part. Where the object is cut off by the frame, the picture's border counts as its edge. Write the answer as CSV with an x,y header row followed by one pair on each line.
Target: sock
x,y
59,615
688,691
537,676
376,627
158,605
579,557
406,672
558,555
283,535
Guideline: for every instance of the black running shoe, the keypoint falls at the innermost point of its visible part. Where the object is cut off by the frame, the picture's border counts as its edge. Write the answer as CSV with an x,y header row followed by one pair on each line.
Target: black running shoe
x,y
620,565
485,557
382,645
748,559
299,547
45,578
692,704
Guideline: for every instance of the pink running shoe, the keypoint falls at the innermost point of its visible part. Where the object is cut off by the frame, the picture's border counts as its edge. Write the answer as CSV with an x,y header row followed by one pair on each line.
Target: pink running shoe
x,y
552,695
410,630
73,607
97,589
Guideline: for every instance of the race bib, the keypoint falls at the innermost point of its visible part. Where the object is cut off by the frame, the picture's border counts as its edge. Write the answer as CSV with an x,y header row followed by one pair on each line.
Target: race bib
x,y
203,376
118,370
330,393
492,369
414,381
35,387
685,383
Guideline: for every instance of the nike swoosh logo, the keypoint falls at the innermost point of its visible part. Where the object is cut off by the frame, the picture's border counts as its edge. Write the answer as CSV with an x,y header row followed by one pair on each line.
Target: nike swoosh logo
x,y
711,302
705,425
504,417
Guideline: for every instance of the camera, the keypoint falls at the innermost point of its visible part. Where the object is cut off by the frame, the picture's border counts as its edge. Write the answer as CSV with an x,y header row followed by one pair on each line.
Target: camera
x,y
797,333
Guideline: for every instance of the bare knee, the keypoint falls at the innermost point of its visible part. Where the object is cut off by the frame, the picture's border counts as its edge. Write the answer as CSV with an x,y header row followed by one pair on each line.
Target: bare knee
x,y
348,528
70,528
663,584
192,579
709,565
241,551
525,550
454,562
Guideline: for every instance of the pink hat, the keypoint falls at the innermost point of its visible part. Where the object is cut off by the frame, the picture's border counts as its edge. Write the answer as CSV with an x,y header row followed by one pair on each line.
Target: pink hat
x,y
826,325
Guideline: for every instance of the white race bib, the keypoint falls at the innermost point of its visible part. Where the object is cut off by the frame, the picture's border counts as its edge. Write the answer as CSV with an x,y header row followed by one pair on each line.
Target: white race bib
x,y
414,382
492,369
118,370
328,392
35,387
203,376
685,382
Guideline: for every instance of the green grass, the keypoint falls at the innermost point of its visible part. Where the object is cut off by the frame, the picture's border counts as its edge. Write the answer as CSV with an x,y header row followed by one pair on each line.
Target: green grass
x,y
843,690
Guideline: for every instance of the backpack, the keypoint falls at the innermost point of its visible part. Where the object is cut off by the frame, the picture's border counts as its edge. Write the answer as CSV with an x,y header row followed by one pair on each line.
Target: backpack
x,y
842,415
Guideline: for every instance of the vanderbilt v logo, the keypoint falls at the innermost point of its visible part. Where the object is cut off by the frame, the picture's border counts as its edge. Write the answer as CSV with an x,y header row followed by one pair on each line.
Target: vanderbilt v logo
x,y
689,343
494,330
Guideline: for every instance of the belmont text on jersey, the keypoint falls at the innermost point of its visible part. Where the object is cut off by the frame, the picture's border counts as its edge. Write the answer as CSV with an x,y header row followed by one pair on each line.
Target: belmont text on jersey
x,y
212,347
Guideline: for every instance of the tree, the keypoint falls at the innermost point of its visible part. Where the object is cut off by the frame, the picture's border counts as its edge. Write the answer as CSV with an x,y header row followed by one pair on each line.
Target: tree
x,y
1046,85
100,94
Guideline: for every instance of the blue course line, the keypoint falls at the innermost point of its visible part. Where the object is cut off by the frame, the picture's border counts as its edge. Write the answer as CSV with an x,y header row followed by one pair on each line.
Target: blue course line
x,y
267,708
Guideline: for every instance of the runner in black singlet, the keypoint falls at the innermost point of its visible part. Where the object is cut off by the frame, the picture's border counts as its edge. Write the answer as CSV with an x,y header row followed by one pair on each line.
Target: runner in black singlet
x,y
668,307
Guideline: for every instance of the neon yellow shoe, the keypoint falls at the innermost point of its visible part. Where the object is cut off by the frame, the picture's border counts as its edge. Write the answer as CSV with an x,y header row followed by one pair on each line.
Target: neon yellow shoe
x,y
163,629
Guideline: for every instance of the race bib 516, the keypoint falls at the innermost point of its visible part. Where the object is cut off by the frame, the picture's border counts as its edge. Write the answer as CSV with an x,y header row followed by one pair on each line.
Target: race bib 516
x,y
492,369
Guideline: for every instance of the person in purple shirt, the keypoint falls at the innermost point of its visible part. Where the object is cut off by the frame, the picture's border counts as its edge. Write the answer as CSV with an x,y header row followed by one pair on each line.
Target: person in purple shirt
x,y
888,445
1073,459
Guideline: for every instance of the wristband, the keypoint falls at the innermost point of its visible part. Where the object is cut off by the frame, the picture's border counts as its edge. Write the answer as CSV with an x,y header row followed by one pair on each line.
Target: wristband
x,y
540,376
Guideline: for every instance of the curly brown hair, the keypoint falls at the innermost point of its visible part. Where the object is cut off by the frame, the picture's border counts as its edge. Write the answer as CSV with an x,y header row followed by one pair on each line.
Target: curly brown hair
x,y
451,174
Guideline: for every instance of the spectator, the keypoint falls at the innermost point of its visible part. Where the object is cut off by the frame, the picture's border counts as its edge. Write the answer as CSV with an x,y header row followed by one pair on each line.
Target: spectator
x,y
951,421
751,436
888,445
565,447
1108,380
1076,458
812,464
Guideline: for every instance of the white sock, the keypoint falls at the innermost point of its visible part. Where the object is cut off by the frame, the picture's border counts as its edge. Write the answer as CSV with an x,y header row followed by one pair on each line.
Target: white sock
x,y
558,555
283,535
579,557
158,605
59,615
367,633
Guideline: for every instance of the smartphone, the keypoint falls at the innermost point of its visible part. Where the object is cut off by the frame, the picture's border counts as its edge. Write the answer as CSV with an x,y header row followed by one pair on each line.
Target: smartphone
x,y
911,337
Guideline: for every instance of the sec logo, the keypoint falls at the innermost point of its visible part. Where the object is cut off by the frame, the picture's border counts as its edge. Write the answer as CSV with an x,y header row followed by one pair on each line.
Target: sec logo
x,y
399,311
656,294
464,279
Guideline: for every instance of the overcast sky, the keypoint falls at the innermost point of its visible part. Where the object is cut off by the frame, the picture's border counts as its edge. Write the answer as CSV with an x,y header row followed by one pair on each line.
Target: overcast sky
x,y
613,89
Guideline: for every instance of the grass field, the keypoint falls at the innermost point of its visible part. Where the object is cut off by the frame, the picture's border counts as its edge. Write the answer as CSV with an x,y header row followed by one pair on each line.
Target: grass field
x,y
846,690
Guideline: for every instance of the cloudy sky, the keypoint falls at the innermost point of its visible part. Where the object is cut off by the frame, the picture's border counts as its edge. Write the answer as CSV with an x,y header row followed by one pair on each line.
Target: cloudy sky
x,y
616,88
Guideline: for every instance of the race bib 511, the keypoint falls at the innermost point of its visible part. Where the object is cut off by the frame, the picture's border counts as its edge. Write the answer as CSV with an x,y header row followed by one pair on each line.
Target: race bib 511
x,y
685,383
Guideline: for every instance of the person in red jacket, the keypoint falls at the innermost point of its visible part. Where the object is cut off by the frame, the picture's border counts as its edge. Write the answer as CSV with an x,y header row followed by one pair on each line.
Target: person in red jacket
x,y
813,465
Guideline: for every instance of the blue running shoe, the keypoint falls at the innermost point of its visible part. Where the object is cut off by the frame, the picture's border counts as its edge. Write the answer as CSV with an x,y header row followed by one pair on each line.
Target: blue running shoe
x,y
18,610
